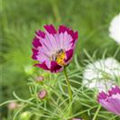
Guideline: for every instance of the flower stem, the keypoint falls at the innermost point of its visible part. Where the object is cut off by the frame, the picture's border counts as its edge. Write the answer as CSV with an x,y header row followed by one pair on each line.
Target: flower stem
x,y
68,84
69,89
95,116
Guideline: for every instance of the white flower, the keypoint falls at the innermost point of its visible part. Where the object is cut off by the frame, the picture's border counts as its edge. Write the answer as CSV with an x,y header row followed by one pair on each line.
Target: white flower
x,y
114,28
101,74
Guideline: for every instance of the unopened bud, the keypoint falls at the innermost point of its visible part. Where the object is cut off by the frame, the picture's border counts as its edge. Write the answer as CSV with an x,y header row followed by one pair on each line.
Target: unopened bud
x,y
40,79
25,115
42,94
12,105
76,119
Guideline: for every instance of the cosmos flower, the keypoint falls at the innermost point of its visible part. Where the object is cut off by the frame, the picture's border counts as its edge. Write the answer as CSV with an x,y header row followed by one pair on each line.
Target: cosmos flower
x,y
102,73
114,28
111,100
54,49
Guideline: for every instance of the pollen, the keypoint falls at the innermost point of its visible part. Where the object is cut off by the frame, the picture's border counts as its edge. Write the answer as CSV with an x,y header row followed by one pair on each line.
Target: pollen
x,y
60,59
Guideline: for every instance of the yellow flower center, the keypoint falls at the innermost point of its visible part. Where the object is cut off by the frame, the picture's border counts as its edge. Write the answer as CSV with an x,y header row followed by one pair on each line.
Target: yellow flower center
x,y
59,57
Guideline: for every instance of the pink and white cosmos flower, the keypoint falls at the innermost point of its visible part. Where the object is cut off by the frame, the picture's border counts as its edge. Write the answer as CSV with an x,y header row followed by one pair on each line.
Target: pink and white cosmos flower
x,y
111,100
54,49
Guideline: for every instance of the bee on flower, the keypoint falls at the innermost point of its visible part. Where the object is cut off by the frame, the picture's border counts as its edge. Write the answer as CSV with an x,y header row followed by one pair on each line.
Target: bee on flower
x,y
53,49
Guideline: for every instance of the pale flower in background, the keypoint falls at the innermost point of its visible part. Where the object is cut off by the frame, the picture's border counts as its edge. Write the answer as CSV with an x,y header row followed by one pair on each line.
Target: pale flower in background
x,y
101,74
114,28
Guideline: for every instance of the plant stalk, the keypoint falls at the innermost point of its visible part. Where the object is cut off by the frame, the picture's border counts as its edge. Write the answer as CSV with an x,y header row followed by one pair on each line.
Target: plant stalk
x,y
98,109
69,89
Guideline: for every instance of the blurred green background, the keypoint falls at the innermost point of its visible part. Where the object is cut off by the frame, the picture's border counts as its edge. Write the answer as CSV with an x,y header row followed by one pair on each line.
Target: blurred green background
x,y
21,18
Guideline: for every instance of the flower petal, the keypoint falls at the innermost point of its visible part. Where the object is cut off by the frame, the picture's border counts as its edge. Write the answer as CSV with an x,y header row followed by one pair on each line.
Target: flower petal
x,y
102,95
35,53
36,42
69,55
115,104
107,105
74,35
62,29
52,41
55,67
42,65
40,34
114,90
50,29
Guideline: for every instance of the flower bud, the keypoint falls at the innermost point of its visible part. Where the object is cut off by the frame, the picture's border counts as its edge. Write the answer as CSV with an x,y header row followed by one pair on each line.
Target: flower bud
x,y
42,94
12,105
76,119
25,115
40,79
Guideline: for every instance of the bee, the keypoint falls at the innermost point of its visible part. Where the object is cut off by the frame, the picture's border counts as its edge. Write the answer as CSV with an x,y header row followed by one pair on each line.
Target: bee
x,y
59,57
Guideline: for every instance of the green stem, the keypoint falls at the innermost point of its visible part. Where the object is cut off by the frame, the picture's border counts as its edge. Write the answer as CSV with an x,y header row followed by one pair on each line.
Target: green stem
x,y
95,116
68,84
69,89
